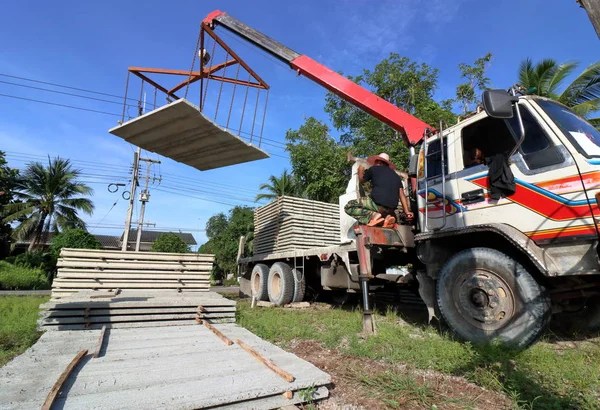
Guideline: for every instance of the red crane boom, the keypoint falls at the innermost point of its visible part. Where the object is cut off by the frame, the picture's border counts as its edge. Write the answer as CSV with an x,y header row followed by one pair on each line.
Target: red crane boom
x,y
411,128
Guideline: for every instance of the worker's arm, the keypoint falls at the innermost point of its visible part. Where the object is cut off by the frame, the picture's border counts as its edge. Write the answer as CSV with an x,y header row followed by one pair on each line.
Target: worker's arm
x,y
364,175
405,206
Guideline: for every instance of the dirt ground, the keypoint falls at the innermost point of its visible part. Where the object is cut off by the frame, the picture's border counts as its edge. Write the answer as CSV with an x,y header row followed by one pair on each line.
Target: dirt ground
x,y
349,393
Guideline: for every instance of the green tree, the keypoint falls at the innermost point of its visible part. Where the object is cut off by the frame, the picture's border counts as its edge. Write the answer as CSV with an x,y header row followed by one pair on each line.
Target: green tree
x,y
318,161
223,233
51,200
547,78
400,81
169,242
74,238
467,94
8,180
286,184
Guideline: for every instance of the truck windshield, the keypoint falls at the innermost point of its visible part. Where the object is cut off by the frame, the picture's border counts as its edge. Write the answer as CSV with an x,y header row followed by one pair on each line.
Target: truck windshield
x,y
582,134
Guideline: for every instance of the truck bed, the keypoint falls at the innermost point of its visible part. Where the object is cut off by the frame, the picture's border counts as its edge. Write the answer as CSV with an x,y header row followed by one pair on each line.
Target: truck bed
x,y
345,247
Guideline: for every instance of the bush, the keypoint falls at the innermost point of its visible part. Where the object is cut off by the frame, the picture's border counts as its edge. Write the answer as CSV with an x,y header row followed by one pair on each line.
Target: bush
x,y
19,278
74,238
169,242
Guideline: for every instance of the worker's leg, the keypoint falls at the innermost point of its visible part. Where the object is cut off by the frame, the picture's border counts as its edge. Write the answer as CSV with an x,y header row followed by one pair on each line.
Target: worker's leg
x,y
363,210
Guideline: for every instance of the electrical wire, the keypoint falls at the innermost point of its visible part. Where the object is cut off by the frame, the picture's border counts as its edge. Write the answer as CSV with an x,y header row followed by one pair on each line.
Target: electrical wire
x,y
104,217
65,86
59,105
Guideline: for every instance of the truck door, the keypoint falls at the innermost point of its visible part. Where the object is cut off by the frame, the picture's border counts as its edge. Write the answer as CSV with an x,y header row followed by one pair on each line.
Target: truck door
x,y
549,201
438,189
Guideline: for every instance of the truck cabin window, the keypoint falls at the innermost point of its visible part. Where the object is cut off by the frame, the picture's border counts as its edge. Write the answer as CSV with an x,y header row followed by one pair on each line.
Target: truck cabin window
x,y
581,133
491,136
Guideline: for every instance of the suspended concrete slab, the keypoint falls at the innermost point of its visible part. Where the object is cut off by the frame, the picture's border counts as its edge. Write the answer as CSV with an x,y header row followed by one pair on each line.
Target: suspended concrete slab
x,y
181,132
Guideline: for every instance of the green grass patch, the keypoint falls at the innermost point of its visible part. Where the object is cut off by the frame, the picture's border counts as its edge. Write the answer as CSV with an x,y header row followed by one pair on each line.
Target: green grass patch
x,y
18,324
19,278
541,377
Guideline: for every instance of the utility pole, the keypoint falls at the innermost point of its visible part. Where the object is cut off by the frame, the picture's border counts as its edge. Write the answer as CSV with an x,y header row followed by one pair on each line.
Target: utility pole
x,y
134,183
144,197
592,8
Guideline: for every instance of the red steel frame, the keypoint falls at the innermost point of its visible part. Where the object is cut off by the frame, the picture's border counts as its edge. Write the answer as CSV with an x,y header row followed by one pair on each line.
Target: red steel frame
x,y
205,72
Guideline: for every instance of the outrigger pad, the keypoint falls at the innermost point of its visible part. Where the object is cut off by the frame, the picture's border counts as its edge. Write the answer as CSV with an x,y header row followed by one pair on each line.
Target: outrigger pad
x,y
181,132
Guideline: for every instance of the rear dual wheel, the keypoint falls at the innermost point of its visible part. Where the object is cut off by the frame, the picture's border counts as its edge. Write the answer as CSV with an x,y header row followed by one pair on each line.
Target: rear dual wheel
x,y
280,284
485,295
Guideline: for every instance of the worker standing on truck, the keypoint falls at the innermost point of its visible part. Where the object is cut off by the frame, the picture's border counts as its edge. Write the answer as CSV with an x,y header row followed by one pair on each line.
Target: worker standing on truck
x,y
386,191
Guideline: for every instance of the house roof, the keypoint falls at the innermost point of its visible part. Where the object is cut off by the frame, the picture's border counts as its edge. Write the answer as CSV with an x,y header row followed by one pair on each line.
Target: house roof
x,y
151,236
109,241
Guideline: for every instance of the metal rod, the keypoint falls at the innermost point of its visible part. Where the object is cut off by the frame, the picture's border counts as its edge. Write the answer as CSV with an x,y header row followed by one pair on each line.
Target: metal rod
x,y
443,175
232,96
201,65
263,121
155,91
220,91
207,78
425,147
244,109
254,119
125,99
140,111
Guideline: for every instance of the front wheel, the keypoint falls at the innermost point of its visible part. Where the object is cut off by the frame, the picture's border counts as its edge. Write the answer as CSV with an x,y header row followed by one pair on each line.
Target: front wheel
x,y
485,295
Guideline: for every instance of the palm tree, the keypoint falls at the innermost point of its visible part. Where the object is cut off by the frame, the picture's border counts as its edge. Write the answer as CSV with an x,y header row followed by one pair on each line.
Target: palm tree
x,y
286,184
546,79
49,198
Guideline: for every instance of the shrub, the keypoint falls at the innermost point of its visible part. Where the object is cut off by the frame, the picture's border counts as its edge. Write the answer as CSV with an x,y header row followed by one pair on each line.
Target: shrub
x,y
169,242
19,278
74,238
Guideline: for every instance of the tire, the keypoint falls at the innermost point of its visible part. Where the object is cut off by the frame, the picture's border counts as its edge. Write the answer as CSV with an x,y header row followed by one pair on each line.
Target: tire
x,y
281,284
484,295
258,282
299,286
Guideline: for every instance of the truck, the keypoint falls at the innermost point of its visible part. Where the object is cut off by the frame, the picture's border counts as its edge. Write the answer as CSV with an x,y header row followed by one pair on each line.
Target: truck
x,y
498,247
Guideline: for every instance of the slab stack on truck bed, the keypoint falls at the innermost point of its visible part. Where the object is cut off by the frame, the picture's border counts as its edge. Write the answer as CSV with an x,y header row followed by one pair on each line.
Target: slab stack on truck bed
x,y
290,223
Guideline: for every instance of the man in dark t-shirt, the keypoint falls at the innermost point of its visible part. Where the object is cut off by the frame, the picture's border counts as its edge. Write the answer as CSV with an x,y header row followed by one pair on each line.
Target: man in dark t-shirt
x,y
386,191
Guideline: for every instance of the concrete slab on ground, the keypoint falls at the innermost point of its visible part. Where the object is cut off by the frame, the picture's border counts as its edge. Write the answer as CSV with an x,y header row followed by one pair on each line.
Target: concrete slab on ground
x,y
184,367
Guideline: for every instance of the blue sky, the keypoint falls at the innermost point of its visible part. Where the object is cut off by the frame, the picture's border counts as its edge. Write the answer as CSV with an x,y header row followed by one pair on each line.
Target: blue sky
x,y
89,45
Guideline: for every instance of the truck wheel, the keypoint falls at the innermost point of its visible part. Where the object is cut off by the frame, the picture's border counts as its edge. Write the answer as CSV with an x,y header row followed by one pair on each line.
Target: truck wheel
x,y
258,281
281,284
485,295
299,285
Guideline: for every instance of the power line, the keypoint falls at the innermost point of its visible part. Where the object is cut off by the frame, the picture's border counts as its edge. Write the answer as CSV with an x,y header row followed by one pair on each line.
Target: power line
x,y
195,197
59,105
65,86
64,93
104,217
94,163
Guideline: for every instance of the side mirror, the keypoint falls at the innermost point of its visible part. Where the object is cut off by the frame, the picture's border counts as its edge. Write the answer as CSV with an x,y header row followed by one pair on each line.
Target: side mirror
x,y
498,103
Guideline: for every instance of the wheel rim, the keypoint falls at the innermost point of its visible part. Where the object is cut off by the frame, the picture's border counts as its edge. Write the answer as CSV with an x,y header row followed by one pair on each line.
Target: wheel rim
x,y
484,299
276,284
256,284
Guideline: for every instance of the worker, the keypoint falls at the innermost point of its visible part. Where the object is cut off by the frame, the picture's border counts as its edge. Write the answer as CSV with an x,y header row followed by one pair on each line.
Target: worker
x,y
378,209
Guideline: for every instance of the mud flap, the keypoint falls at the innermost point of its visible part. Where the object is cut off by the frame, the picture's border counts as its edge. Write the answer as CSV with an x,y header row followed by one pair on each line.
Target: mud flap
x,y
427,293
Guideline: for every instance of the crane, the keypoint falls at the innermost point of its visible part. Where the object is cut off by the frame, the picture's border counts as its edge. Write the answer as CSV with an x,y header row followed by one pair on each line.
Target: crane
x,y
411,128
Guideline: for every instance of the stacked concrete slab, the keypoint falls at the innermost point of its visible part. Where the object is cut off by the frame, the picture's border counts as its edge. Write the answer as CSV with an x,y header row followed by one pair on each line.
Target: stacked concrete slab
x,y
91,269
92,310
290,223
188,367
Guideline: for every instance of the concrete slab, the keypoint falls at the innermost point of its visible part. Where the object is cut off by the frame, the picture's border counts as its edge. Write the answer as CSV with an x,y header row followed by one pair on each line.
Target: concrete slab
x,y
181,132
187,367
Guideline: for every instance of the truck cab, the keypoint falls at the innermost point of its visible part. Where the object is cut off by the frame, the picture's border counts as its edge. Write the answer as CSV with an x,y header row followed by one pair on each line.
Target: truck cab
x,y
507,217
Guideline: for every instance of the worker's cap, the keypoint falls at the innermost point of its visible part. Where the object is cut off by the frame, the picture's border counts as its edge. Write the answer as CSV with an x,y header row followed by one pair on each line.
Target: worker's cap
x,y
381,157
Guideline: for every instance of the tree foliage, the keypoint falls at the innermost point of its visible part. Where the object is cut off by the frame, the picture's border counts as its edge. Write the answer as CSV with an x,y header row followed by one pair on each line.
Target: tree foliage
x,y
286,184
318,161
8,181
547,78
74,238
50,200
223,232
467,94
169,242
400,81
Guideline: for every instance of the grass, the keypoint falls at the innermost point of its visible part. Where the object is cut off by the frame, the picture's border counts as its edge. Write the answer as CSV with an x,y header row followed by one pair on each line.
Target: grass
x,y
19,278
541,377
18,324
